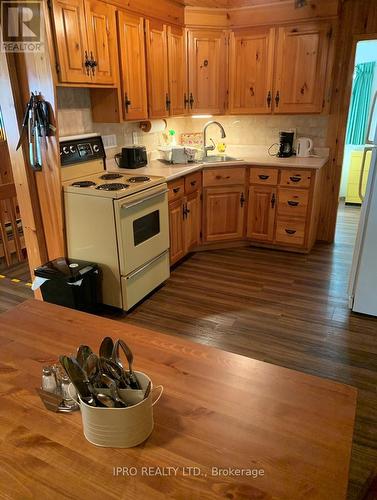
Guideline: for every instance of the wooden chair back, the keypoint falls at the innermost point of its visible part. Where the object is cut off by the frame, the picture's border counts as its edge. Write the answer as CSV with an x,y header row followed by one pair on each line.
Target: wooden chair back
x,y
11,241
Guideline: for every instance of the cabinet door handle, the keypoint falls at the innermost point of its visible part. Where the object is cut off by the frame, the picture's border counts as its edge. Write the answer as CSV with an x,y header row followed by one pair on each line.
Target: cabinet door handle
x,y
185,100
242,199
269,99
87,63
263,177
191,100
176,190
290,231
273,200
277,99
127,102
193,183
295,178
292,203
168,102
93,63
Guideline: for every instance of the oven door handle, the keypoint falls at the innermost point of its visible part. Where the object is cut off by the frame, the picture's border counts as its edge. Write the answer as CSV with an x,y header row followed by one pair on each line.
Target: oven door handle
x,y
143,200
142,268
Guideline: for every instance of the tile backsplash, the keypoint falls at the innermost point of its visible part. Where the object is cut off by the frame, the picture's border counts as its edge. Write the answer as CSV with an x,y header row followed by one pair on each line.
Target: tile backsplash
x,y
74,117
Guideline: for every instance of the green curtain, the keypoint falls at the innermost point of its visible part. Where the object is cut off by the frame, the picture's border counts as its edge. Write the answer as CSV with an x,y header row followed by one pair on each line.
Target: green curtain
x,y
360,103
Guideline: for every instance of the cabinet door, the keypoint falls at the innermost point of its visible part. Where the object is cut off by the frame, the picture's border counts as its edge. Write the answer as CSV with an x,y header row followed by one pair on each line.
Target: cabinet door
x,y
176,227
101,28
207,57
71,40
193,220
177,62
251,62
301,61
132,62
223,218
157,69
261,213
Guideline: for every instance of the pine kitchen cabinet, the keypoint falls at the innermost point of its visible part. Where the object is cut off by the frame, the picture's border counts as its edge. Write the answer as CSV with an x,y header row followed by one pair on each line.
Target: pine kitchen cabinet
x,y
132,65
251,62
301,62
177,71
184,215
261,213
207,67
224,202
85,32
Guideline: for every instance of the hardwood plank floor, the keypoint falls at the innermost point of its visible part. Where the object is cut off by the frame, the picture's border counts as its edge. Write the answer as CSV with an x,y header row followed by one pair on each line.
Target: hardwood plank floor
x,y
283,308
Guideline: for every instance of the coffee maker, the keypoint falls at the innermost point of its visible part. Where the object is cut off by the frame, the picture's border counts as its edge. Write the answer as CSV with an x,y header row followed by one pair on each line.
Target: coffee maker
x,y
285,144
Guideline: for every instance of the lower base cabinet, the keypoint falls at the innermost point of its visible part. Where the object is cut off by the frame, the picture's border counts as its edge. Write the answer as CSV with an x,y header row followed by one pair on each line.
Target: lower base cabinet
x,y
261,213
185,219
223,213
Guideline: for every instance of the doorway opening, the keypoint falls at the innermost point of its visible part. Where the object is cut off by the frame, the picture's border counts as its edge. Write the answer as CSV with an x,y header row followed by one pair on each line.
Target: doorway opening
x,y
13,255
358,189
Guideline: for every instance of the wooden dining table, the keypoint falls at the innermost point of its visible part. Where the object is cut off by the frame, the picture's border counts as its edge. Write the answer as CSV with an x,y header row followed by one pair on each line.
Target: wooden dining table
x,y
226,426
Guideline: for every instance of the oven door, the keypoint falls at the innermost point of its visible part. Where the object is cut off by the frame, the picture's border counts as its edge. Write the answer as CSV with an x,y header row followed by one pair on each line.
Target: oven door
x,y
142,222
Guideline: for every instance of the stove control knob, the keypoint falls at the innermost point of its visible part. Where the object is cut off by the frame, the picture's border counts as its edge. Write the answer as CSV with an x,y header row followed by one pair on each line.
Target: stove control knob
x,y
96,148
65,150
72,149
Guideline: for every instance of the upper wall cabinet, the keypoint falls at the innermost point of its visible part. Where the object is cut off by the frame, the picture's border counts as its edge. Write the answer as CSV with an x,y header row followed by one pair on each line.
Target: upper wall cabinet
x,y
177,62
207,63
251,60
132,63
85,41
301,63
157,68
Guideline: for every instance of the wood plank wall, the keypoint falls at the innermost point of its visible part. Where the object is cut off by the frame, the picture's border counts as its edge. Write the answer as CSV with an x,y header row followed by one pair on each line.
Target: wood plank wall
x,y
358,18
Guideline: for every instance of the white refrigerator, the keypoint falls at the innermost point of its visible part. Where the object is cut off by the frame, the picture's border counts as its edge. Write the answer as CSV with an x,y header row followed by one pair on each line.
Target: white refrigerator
x,y
363,279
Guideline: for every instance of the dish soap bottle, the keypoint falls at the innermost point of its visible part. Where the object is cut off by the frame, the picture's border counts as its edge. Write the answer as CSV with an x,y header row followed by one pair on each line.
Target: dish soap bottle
x,y
173,139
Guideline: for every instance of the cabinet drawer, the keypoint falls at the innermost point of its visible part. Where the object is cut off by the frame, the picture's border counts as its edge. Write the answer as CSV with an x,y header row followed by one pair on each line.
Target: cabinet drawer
x,y
298,178
264,176
293,202
224,176
290,231
193,182
176,189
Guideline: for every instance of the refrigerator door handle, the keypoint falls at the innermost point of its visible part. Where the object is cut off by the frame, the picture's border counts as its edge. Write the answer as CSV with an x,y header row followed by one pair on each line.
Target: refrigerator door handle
x,y
361,195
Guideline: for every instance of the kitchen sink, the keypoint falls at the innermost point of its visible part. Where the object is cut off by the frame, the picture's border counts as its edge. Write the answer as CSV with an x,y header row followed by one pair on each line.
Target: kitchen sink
x,y
219,159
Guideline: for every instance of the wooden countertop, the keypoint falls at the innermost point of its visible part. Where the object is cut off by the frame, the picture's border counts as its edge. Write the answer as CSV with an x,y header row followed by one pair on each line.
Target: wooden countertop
x,y
219,410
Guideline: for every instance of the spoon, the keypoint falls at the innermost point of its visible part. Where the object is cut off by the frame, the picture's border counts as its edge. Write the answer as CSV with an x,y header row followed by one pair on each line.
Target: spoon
x,y
83,352
106,347
78,378
105,400
91,365
112,385
135,384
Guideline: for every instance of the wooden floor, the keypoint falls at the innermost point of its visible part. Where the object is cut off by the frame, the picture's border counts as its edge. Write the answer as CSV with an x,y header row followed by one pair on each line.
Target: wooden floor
x,y
283,308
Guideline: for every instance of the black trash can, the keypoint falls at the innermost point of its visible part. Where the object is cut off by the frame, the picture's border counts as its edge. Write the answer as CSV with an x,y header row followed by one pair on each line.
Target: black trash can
x,y
71,283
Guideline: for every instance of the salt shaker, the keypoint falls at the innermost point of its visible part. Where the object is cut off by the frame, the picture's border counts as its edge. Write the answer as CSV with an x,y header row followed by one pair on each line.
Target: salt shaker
x,y
48,380
68,401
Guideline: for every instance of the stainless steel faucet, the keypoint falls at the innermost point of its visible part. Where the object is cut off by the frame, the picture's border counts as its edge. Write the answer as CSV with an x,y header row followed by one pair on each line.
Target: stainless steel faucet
x,y
212,147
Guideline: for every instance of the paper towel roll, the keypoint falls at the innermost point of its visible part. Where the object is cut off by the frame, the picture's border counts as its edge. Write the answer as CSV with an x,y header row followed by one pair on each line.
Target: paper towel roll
x,y
153,126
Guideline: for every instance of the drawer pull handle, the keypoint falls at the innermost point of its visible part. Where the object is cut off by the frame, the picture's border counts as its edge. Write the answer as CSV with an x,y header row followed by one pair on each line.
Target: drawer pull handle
x,y
263,177
290,231
292,203
176,190
218,177
193,183
295,178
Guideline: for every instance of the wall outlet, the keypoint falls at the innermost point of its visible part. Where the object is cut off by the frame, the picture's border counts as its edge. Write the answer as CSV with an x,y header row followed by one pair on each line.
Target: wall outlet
x,y
109,141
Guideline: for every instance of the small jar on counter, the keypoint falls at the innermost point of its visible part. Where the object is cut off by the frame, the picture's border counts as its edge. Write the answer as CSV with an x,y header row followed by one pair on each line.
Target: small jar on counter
x,y
48,380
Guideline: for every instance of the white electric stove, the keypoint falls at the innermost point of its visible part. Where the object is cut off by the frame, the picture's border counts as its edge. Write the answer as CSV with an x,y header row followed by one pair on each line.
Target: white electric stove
x,y
118,221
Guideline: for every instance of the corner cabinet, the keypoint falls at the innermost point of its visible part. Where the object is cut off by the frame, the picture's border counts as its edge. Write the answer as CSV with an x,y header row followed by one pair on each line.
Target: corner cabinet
x,y
85,33
133,66
251,62
300,84
207,66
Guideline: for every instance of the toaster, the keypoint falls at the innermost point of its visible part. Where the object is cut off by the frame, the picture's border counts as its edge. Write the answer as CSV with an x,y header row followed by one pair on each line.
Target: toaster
x,y
132,157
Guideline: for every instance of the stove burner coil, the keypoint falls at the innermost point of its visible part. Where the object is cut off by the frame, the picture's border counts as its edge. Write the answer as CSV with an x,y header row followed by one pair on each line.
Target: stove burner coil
x,y
141,178
109,176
